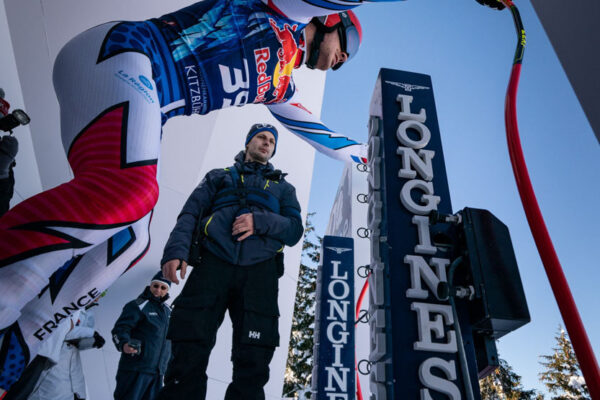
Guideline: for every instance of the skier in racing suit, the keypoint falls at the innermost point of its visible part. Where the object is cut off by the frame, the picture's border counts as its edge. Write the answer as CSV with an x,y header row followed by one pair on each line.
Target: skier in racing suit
x,y
116,84
247,213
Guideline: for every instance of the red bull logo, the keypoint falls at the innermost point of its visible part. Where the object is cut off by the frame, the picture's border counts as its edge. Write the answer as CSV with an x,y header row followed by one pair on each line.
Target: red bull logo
x,y
263,80
287,54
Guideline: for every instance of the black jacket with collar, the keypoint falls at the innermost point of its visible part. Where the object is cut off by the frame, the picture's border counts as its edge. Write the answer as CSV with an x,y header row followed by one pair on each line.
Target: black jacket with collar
x,y
271,230
146,319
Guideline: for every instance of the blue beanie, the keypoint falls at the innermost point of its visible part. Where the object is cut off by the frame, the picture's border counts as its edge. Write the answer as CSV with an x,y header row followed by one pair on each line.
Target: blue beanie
x,y
160,278
256,128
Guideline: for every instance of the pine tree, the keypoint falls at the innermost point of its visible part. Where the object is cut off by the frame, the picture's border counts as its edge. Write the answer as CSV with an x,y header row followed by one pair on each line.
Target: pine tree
x,y
505,384
298,371
562,376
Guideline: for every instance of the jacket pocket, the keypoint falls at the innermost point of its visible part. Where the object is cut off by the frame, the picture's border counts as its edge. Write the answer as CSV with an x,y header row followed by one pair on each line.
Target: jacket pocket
x,y
260,322
194,318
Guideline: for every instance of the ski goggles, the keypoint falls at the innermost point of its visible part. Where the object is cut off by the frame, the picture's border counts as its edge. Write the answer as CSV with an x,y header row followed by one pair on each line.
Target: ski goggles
x,y
257,127
349,37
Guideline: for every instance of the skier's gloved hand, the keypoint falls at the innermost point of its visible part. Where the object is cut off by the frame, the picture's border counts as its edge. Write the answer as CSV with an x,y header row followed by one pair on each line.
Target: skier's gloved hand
x,y
497,4
9,146
98,340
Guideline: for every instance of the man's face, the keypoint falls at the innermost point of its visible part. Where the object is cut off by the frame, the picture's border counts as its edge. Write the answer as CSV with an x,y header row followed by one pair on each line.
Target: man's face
x,y
331,52
261,147
158,289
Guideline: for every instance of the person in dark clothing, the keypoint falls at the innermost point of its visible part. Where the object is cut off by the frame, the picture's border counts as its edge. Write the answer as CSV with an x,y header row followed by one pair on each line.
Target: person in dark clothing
x,y
247,213
140,334
9,146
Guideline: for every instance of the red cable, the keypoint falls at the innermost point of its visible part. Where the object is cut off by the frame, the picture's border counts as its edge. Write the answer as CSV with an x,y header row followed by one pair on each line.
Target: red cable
x,y
554,271
361,297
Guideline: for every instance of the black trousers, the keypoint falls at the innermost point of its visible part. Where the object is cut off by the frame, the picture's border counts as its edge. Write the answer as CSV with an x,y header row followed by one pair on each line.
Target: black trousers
x,y
249,293
133,385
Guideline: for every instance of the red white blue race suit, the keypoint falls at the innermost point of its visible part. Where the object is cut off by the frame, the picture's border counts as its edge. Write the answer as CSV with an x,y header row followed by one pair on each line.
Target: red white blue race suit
x,y
117,84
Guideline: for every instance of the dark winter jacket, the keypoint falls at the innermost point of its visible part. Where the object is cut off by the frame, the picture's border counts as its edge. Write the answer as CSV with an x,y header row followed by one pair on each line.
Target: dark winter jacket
x,y
272,229
145,319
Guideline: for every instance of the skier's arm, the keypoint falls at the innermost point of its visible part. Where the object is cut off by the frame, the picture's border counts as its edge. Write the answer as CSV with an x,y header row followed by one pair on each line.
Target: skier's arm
x,y
304,10
308,127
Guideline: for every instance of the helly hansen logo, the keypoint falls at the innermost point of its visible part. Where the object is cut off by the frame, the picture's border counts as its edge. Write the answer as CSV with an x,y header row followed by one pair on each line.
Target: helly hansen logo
x,y
254,335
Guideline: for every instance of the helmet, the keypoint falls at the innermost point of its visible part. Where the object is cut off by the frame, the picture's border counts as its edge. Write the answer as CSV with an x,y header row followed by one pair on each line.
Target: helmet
x,y
349,30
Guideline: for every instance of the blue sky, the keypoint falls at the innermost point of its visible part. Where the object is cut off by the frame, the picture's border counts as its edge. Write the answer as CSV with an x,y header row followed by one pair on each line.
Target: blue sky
x,y
468,49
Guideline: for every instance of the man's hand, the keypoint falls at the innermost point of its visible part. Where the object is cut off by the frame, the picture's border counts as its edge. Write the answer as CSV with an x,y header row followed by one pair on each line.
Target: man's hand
x,y
497,4
127,349
169,270
243,224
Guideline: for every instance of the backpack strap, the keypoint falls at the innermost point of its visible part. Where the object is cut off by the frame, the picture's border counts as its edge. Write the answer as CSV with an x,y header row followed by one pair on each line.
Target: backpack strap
x,y
244,196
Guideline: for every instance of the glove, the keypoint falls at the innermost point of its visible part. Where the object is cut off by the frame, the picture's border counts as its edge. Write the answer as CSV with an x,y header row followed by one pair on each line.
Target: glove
x,y
497,4
98,340
9,146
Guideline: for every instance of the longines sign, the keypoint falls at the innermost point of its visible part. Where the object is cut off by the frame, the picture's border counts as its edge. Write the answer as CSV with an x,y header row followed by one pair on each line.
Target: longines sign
x,y
415,353
333,372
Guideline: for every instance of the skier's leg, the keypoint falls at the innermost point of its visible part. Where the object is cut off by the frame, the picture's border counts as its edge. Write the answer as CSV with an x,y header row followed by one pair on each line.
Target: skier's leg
x,y
72,287
111,132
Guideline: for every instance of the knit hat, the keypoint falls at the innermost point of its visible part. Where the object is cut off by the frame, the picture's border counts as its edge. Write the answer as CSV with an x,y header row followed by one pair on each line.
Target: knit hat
x,y
257,128
160,278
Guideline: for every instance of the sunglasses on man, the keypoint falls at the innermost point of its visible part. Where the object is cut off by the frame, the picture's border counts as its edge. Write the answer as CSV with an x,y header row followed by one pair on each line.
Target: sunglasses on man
x,y
158,286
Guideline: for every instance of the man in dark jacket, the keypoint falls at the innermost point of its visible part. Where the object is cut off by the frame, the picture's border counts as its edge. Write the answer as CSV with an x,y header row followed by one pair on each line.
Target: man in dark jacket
x,y
246,213
140,334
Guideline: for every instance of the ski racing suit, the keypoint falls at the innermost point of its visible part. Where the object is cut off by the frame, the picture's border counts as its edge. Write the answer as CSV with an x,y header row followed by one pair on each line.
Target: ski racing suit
x,y
116,84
